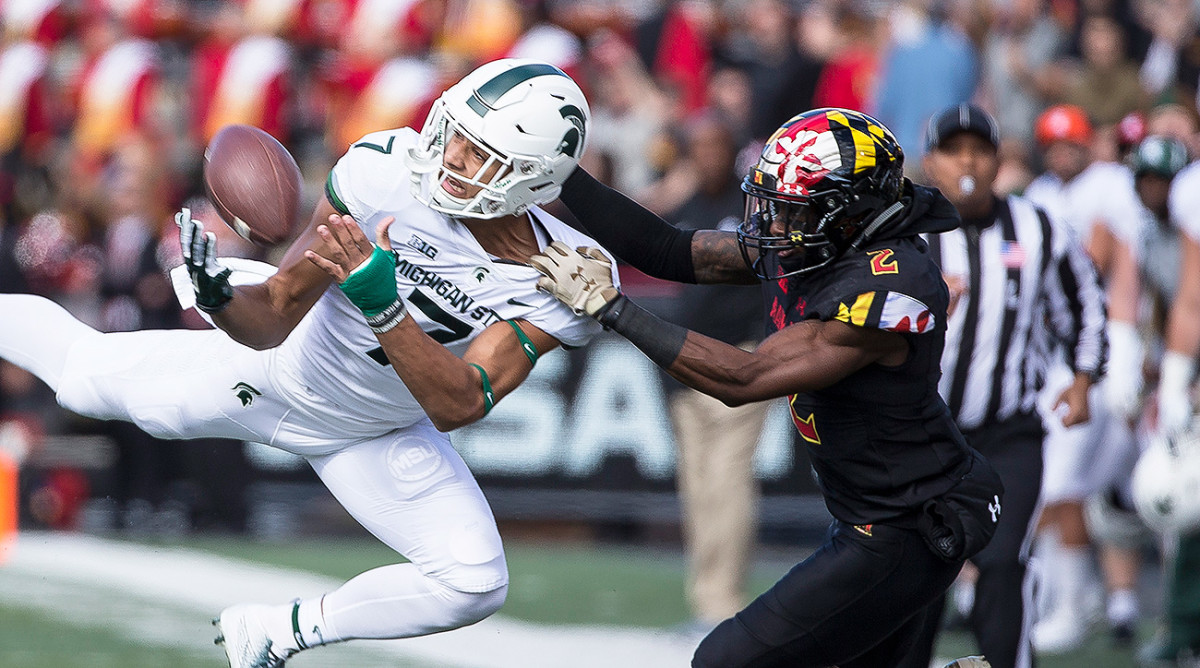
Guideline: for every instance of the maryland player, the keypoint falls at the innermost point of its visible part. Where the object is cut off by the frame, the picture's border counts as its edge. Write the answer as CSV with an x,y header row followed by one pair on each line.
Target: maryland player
x,y
857,313
421,334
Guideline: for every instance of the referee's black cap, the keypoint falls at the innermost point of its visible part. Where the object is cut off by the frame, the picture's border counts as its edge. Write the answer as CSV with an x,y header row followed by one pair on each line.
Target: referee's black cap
x,y
961,118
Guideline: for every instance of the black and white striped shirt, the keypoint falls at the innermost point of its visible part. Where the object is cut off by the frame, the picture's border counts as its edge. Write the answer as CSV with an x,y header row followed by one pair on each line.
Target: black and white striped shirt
x,y
1029,289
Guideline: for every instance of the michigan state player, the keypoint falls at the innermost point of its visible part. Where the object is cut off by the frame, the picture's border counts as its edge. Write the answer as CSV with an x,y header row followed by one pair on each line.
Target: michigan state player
x,y
857,313
358,357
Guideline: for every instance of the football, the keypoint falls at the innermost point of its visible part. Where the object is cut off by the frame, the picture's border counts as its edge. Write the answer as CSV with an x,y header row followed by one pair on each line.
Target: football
x,y
254,183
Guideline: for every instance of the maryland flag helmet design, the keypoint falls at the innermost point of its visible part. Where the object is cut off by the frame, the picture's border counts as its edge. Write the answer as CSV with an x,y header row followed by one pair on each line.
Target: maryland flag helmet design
x,y
822,179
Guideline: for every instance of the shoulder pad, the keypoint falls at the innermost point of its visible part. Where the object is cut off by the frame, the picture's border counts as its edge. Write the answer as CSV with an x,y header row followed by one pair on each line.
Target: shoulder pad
x,y
894,287
372,175
891,311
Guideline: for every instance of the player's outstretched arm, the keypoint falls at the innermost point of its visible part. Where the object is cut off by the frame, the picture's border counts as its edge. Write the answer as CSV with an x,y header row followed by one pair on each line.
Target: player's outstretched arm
x,y
1123,390
455,392
649,243
259,316
452,391
1183,343
799,358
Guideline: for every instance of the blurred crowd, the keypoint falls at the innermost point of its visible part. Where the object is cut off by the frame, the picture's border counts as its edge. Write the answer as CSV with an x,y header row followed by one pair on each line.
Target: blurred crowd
x,y
106,107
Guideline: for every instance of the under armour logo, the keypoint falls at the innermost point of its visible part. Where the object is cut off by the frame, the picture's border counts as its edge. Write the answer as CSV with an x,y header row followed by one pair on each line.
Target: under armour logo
x,y
994,508
588,283
246,393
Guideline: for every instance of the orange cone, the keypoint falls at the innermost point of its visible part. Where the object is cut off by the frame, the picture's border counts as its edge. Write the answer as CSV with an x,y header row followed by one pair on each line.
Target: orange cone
x,y
8,505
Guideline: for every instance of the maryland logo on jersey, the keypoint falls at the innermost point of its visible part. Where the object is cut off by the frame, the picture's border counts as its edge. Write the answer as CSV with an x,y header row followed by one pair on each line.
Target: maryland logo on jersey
x,y
891,311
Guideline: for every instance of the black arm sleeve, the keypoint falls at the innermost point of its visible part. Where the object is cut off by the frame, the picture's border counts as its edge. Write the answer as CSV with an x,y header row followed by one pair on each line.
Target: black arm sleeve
x,y
632,232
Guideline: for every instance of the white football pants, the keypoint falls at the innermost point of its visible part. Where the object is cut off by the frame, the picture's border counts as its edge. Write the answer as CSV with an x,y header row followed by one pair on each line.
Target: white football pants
x,y
1087,458
407,486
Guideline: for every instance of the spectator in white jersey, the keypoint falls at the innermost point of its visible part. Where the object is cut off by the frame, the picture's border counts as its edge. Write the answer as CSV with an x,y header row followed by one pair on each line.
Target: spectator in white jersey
x,y
1008,266
1094,200
359,356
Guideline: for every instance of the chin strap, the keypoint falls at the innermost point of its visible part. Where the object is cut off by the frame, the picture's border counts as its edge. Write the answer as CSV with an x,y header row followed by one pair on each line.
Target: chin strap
x,y
886,216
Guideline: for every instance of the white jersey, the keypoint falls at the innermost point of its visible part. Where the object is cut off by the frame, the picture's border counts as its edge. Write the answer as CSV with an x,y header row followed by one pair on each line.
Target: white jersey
x,y
452,287
1184,201
1101,194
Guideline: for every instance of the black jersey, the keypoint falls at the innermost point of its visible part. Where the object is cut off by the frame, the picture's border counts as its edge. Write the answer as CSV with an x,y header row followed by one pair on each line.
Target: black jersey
x,y
881,440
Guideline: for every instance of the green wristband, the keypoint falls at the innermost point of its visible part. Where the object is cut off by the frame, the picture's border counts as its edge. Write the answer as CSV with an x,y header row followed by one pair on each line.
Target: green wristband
x,y
527,346
372,285
488,396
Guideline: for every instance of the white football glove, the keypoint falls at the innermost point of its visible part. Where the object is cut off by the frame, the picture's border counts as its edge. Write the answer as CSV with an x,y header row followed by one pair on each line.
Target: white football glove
x,y
1175,393
210,278
1123,382
578,277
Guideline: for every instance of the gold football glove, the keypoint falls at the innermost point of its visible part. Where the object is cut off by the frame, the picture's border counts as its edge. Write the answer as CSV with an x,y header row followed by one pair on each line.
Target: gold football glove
x,y
580,278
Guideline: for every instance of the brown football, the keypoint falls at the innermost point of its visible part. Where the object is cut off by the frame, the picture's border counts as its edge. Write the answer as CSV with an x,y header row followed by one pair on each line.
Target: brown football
x,y
254,183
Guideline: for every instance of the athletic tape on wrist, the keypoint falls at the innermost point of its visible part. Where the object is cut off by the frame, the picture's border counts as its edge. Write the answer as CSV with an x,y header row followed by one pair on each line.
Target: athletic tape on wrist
x,y
488,396
389,317
372,285
527,346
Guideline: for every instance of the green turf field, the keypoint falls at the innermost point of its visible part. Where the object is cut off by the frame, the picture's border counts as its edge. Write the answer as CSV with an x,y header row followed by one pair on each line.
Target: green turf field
x,y
551,584
31,640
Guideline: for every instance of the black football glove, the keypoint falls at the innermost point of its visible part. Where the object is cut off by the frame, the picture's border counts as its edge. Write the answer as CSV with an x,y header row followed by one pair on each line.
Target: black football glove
x,y
210,279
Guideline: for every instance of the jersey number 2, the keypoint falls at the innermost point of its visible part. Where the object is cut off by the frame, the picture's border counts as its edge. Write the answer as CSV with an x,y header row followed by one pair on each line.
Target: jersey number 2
x,y
882,262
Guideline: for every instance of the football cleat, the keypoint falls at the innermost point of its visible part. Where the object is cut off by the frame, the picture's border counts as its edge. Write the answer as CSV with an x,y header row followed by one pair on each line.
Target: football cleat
x,y
245,639
969,662
1066,629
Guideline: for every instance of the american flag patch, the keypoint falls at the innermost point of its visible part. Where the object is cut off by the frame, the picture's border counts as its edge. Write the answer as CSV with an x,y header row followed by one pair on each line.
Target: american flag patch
x,y
1012,256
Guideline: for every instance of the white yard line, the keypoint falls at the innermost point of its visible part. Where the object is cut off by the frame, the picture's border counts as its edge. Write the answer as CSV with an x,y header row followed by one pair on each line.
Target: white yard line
x,y
166,595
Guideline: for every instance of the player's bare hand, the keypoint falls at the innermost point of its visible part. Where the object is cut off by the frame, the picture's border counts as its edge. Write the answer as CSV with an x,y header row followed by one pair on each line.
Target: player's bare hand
x,y
957,286
347,249
1072,404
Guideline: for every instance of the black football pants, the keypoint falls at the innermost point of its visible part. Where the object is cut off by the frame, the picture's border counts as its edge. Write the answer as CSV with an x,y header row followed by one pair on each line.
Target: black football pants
x,y
1014,449
858,602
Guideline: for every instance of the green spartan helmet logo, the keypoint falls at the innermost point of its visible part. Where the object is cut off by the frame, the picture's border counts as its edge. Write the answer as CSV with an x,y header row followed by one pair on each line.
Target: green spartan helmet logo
x,y
246,393
573,140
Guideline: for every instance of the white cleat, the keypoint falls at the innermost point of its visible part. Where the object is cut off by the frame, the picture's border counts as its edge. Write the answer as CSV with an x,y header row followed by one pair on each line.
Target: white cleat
x,y
1060,633
245,639
969,662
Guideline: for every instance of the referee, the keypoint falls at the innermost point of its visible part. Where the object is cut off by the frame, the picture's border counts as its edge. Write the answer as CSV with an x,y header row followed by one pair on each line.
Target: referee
x,y
1020,286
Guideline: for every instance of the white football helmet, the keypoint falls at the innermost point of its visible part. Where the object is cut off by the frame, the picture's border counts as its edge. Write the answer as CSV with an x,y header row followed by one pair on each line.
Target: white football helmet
x,y
527,115
1166,482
